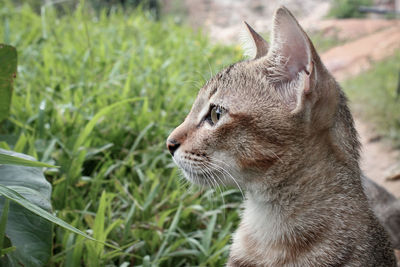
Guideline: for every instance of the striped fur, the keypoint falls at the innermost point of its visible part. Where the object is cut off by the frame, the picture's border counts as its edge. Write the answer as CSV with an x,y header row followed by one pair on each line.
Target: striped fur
x,y
285,137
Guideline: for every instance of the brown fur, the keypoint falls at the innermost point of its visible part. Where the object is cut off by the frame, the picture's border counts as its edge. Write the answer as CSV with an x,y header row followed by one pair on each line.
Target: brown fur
x,y
287,138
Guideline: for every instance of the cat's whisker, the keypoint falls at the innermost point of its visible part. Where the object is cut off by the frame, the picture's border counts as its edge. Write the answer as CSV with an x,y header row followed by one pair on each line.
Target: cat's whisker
x,y
227,172
209,167
182,181
205,79
219,186
210,68
190,172
194,83
210,180
209,173
195,178
210,183
232,177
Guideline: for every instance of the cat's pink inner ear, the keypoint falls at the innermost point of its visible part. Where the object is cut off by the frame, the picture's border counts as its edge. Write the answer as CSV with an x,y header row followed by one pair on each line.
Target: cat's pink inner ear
x,y
260,45
309,72
290,44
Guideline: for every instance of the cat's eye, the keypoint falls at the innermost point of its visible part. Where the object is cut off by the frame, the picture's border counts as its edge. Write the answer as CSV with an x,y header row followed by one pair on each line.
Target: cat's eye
x,y
215,114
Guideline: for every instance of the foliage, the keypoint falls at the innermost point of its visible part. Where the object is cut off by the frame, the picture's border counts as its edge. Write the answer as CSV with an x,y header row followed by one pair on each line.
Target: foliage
x,y
8,58
348,8
28,233
11,171
374,94
98,95
26,225
5,158
62,7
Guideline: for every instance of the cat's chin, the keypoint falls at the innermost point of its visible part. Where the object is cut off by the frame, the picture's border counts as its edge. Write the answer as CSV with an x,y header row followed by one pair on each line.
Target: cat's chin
x,y
198,178
191,172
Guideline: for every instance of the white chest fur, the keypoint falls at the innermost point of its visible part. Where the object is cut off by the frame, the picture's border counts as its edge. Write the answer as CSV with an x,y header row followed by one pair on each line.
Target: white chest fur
x,y
261,231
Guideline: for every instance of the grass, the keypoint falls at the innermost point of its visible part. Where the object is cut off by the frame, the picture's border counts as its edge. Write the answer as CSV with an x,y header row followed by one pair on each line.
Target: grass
x,y
374,96
348,8
98,95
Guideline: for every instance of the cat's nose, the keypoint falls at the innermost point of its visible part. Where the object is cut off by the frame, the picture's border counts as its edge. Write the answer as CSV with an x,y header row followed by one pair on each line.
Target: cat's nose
x,y
172,145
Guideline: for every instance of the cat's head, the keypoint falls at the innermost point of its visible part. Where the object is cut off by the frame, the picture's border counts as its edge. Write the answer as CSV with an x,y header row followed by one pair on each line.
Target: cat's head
x,y
258,116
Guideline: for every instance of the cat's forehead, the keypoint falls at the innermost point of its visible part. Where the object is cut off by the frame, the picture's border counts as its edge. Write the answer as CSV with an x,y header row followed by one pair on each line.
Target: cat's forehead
x,y
238,88
220,81
242,81
230,79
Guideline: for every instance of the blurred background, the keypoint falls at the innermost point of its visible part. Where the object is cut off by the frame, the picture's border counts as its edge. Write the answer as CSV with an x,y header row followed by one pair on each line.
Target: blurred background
x,y
101,84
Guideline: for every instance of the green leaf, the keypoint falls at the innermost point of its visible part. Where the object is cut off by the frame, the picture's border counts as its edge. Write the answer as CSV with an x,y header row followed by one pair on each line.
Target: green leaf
x,y
12,160
15,196
95,250
28,232
207,238
171,229
29,225
8,72
3,223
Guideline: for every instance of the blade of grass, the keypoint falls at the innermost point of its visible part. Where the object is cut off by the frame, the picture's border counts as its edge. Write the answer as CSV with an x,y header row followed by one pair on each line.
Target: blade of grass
x,y
89,127
12,160
3,222
171,229
207,238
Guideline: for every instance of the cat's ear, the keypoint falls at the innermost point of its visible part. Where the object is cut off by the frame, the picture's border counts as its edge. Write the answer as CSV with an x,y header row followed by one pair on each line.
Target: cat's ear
x,y
290,55
253,44
290,43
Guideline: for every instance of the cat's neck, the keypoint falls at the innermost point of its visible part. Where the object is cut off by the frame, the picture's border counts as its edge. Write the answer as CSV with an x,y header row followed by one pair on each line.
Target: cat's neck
x,y
287,217
305,182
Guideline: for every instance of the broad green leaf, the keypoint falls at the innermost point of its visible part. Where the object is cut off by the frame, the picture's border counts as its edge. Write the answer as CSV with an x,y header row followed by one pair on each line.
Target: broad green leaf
x,y
8,71
29,225
28,232
16,189
12,160
12,193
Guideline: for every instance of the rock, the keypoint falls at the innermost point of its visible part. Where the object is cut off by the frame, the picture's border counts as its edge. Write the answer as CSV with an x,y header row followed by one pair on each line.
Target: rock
x,y
393,174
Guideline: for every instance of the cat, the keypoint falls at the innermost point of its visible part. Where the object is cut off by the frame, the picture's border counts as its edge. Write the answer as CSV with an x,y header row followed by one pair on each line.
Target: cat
x,y
278,126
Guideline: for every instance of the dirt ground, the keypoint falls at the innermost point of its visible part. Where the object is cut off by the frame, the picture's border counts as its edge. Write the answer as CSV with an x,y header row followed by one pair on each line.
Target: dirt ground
x,y
370,45
223,19
365,41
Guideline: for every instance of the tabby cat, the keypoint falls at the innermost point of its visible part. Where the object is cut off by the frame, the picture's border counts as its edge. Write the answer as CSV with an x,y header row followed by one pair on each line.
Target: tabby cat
x,y
278,126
